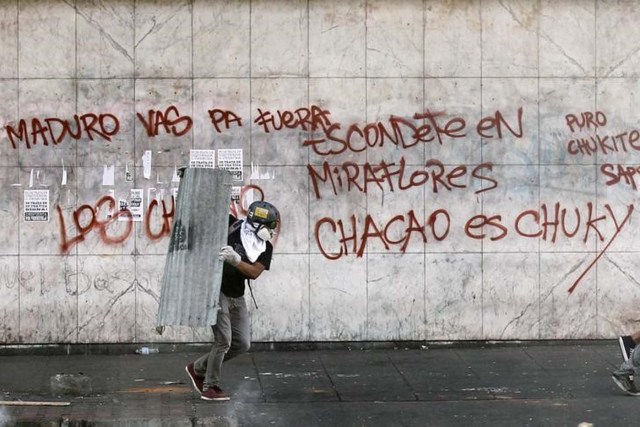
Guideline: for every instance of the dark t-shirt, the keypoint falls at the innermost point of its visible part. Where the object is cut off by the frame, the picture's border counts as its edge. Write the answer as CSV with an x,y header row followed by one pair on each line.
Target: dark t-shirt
x,y
232,279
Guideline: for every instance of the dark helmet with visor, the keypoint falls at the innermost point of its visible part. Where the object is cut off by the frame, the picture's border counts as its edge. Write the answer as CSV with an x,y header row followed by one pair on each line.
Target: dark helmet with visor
x,y
263,213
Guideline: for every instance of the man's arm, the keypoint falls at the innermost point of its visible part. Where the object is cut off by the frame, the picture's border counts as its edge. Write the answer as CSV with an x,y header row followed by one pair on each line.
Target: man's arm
x,y
252,271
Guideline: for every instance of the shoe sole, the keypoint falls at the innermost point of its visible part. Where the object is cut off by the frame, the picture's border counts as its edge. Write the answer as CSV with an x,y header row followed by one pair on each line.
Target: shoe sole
x,y
621,386
215,399
623,350
193,381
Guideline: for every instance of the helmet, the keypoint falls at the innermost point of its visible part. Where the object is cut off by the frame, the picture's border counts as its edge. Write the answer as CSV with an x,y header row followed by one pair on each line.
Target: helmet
x,y
263,213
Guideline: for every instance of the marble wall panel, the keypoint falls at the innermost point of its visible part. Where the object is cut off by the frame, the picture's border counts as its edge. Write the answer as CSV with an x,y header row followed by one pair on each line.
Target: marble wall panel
x,y
279,39
8,116
517,192
564,314
284,142
105,38
617,101
559,98
567,53
163,39
106,299
359,62
452,38
383,205
510,38
453,102
222,115
43,99
617,206
510,295
453,296
10,210
48,299
395,297
9,37
10,297
452,205
616,35
337,299
46,34
513,139
395,42
386,98
618,290
344,101
58,235
111,103
571,188
166,109
282,297
221,44
336,224
107,231
337,38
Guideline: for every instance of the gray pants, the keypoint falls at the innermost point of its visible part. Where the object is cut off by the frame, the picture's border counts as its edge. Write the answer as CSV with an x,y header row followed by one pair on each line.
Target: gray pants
x,y
631,366
231,337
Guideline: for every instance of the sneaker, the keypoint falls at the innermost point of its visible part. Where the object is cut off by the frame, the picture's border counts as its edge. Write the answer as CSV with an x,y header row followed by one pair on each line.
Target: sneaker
x,y
198,383
626,346
214,393
625,383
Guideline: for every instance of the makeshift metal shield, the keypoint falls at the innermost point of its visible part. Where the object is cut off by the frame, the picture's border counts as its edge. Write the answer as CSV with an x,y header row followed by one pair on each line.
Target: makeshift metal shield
x,y
190,286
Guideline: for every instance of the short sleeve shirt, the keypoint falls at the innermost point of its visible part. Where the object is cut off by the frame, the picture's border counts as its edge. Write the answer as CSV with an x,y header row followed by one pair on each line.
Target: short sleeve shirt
x,y
233,281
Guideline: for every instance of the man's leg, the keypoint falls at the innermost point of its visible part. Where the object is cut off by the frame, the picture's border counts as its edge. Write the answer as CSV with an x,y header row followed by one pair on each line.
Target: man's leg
x,y
623,376
240,328
210,365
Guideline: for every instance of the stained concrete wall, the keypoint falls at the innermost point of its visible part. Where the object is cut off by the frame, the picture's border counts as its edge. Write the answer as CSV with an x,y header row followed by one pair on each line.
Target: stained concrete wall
x,y
446,170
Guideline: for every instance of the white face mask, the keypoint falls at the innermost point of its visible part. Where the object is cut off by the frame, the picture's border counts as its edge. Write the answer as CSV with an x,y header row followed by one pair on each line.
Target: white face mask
x,y
265,233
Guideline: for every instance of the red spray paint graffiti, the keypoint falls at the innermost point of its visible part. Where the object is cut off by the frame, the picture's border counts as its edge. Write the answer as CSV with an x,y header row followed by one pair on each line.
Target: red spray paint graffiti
x,y
170,120
53,130
338,238
85,219
157,222
327,138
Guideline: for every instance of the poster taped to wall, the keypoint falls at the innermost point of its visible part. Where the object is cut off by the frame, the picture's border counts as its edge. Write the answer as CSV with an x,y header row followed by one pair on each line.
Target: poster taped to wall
x,y
134,205
231,160
202,159
36,205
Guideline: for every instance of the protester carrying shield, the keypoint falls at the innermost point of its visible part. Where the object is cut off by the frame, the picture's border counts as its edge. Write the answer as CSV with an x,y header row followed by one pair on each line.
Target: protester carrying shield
x,y
247,254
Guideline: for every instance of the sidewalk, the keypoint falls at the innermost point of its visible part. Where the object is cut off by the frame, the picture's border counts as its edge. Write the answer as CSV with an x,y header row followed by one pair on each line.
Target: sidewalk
x,y
525,384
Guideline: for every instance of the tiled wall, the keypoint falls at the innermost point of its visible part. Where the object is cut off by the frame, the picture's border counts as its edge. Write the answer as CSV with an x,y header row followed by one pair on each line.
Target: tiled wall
x,y
449,235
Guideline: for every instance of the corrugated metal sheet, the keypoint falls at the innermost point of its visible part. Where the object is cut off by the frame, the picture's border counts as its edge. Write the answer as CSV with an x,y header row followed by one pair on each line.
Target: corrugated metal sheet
x,y
192,272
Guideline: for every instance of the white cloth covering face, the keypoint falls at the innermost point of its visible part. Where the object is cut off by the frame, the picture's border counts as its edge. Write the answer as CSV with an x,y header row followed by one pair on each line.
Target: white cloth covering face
x,y
253,245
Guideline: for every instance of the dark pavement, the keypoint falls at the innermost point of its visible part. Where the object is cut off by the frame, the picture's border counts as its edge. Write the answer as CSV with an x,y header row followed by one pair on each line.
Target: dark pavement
x,y
513,384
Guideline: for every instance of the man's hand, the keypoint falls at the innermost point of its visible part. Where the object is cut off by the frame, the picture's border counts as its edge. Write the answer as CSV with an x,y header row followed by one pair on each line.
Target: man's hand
x,y
227,254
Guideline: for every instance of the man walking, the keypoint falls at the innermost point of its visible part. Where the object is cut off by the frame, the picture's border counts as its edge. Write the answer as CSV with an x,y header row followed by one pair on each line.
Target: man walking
x,y
247,254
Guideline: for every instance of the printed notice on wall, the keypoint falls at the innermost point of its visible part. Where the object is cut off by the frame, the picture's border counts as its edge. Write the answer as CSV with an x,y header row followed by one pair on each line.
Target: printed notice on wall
x,y
231,160
235,195
36,205
133,205
202,159
146,164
